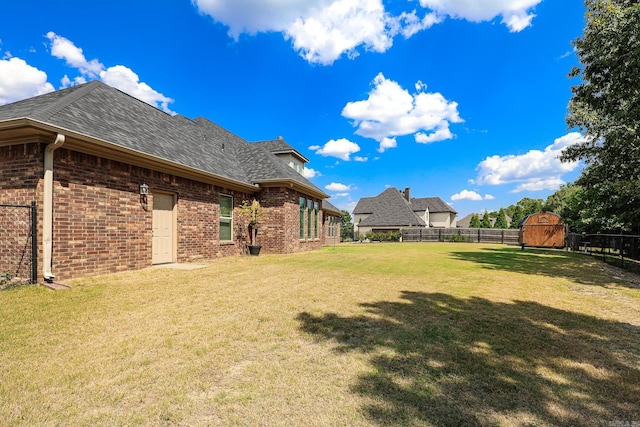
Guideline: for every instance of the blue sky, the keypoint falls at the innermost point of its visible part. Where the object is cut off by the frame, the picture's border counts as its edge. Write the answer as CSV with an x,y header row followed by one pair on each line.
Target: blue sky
x,y
460,99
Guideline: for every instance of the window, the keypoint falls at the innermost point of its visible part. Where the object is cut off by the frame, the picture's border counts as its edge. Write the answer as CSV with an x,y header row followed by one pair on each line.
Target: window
x,y
333,227
226,217
302,206
309,223
315,216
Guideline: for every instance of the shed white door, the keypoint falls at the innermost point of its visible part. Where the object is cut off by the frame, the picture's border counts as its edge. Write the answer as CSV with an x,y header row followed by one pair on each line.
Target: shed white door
x,y
162,228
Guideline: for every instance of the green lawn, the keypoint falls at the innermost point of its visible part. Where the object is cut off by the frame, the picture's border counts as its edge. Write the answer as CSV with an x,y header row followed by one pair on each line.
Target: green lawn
x,y
360,335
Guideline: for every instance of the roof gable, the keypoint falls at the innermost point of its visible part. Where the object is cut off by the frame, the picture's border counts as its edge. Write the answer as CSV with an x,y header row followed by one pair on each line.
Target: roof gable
x,y
389,209
280,146
433,204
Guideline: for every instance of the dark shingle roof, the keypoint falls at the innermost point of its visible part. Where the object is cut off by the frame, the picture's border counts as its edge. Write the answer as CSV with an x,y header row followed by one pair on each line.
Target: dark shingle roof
x,y
387,209
329,208
434,204
390,208
97,110
280,146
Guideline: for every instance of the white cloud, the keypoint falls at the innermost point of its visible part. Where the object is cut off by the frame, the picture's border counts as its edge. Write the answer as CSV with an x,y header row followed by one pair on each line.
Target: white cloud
x,y
409,23
539,185
336,186
387,143
533,171
67,82
360,159
254,16
310,173
63,48
341,148
470,195
516,14
118,76
19,80
324,30
390,111
466,195
127,81
320,30
323,36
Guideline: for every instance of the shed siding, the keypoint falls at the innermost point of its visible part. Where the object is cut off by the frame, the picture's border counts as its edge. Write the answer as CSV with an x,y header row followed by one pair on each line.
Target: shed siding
x,y
542,229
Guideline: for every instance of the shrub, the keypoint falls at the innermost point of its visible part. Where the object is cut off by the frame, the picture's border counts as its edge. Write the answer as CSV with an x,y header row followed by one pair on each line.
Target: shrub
x,y
388,236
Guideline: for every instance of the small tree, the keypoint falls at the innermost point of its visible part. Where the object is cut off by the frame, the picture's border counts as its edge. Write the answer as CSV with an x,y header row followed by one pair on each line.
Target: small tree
x,y
486,221
254,212
346,226
517,215
475,221
501,219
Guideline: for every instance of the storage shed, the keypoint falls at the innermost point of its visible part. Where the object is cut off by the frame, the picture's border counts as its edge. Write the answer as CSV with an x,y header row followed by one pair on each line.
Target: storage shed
x,y
542,230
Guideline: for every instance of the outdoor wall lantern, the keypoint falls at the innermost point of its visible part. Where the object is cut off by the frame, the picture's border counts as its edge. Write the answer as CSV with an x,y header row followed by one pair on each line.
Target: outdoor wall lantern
x,y
144,189
144,192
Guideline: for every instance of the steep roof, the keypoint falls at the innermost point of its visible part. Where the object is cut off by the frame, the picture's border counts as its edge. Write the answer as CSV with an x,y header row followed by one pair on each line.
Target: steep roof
x,y
99,111
387,209
433,204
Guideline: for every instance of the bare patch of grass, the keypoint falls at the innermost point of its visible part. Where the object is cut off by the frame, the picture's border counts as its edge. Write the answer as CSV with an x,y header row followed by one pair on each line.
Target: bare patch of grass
x,y
360,335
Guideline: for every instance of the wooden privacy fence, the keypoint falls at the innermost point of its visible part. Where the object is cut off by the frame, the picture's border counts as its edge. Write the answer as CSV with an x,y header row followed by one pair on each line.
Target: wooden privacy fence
x,y
471,235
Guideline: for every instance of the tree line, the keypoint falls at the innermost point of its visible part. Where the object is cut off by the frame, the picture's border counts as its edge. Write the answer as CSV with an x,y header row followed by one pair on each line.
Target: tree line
x,y
516,213
605,108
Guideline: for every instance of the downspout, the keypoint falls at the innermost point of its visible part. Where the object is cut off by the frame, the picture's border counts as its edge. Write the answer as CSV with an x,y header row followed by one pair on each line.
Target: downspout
x,y
47,209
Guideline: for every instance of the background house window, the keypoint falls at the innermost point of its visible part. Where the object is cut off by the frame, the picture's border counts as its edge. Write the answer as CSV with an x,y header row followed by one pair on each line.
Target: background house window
x,y
315,216
303,204
226,217
309,214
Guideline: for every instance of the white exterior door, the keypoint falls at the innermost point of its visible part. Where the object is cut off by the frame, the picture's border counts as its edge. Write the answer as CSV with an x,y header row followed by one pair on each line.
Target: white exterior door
x,y
162,228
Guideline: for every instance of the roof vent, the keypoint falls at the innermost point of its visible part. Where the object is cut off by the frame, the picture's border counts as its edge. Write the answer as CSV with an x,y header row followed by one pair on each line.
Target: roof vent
x,y
280,138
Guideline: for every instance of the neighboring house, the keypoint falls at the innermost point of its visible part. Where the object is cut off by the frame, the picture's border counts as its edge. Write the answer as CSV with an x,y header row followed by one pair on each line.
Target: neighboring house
x,y
88,155
393,210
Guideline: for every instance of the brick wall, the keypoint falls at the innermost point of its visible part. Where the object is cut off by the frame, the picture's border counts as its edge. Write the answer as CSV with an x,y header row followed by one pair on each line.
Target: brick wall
x,y
327,236
280,229
101,224
21,171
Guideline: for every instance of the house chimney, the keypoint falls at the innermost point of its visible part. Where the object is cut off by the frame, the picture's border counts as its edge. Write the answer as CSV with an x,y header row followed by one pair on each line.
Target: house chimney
x,y
407,194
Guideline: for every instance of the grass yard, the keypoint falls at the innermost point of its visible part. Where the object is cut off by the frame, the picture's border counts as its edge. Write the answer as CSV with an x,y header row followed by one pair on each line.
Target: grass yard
x,y
361,335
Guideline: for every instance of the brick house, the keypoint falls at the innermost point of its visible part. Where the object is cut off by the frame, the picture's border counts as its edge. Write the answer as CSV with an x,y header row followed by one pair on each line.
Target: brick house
x,y
121,185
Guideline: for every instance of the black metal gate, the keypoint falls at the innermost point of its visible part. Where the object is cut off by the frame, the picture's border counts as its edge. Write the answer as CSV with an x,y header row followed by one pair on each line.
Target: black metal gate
x,y
18,243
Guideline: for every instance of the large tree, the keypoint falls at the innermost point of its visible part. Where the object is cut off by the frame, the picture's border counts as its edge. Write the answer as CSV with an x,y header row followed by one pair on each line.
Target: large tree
x,y
605,106
557,201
